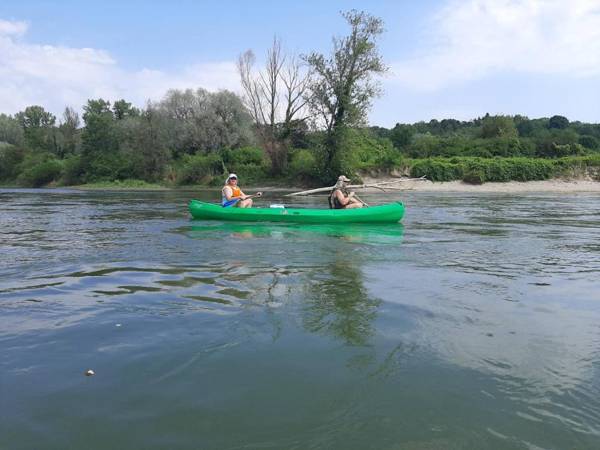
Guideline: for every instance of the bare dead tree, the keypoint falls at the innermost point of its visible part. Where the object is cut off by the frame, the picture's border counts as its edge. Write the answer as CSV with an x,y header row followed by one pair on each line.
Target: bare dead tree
x,y
296,84
275,97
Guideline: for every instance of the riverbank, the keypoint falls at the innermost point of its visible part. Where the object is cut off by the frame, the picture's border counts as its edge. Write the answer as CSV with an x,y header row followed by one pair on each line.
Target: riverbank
x,y
554,185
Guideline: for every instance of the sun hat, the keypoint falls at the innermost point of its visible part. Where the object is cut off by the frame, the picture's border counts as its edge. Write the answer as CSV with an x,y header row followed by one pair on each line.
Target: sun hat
x,y
344,178
231,175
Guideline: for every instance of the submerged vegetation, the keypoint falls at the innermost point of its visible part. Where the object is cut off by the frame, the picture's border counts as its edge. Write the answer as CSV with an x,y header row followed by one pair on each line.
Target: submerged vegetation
x,y
298,120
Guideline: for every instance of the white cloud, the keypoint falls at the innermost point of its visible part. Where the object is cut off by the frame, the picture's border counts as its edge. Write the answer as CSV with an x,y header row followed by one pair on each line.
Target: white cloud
x,y
56,76
12,28
469,40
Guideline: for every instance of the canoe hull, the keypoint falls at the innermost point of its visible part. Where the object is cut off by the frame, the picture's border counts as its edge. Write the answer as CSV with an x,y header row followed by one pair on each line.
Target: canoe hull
x,y
388,213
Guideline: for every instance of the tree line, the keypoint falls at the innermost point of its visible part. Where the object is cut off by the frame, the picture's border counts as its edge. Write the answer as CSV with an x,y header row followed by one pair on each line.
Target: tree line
x,y
299,118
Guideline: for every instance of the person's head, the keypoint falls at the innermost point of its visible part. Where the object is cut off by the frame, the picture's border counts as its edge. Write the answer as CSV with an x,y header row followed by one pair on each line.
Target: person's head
x,y
342,181
232,179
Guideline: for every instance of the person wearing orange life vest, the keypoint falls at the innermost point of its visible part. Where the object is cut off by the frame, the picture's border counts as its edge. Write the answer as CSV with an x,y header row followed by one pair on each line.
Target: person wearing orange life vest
x,y
233,195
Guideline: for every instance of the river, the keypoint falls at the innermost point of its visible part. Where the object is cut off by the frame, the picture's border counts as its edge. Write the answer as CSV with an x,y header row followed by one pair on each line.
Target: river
x,y
474,324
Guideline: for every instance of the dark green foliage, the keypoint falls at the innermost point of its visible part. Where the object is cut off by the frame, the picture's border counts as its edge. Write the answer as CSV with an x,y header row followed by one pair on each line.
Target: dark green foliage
x,y
474,176
109,167
558,122
437,169
342,86
401,135
11,131
122,110
250,164
498,126
244,155
37,125
194,169
11,158
73,172
364,151
99,138
197,137
480,170
303,165
590,142
39,169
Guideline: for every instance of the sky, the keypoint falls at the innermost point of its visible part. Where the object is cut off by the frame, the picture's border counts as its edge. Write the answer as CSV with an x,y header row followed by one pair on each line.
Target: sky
x,y
446,58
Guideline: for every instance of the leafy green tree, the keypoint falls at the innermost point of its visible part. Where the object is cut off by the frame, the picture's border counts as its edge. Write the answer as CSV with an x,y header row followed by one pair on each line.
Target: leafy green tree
x,y
401,135
70,133
145,143
343,84
11,131
590,142
11,158
37,125
100,141
232,122
558,122
122,110
200,121
498,126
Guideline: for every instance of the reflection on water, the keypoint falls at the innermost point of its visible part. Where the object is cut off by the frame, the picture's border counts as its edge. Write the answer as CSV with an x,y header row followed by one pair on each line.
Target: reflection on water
x,y
378,234
338,304
473,325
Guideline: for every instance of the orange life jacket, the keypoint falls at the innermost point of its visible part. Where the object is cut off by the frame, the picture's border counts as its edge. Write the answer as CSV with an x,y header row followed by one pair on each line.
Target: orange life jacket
x,y
235,193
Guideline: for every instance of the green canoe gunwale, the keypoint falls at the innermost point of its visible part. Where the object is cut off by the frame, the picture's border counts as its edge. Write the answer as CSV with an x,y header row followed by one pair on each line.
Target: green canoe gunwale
x,y
388,213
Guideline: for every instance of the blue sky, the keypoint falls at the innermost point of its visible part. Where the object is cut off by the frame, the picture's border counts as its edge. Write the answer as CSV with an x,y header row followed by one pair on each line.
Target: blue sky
x,y
447,58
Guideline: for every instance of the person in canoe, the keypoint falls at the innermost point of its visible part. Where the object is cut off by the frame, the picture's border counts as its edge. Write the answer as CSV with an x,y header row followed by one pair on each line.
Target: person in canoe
x,y
233,195
340,198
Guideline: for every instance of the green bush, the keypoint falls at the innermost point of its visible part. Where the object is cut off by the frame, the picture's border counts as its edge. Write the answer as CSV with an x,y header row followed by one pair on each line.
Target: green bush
x,y
365,150
194,169
530,169
479,170
437,169
243,155
474,176
73,171
589,142
40,173
251,173
303,164
110,167
250,164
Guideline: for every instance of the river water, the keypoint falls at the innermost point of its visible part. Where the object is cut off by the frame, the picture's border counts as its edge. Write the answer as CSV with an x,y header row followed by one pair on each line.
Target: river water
x,y
475,324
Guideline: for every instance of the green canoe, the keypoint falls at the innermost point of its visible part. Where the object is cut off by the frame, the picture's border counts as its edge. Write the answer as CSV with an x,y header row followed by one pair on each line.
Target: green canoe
x,y
388,213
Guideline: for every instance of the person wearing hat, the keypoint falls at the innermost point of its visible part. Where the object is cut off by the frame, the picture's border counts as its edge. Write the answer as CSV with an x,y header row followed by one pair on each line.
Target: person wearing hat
x,y
233,195
340,198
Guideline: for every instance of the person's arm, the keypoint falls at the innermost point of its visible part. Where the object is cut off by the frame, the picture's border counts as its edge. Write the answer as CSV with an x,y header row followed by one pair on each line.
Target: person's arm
x,y
242,195
341,198
228,193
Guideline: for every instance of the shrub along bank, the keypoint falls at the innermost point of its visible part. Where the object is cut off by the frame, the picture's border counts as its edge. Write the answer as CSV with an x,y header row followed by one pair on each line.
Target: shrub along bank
x,y
479,170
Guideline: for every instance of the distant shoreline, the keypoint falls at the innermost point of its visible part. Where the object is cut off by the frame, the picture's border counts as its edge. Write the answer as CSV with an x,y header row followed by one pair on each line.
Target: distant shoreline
x,y
557,185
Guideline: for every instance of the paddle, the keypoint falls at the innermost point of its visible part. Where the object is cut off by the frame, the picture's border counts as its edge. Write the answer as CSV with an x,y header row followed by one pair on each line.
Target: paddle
x,y
258,194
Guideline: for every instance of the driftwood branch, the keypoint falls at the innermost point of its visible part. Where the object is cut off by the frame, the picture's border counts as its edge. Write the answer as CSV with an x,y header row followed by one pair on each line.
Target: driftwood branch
x,y
383,186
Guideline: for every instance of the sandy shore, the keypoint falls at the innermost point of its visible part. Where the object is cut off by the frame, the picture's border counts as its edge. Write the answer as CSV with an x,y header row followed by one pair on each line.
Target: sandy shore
x,y
555,185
